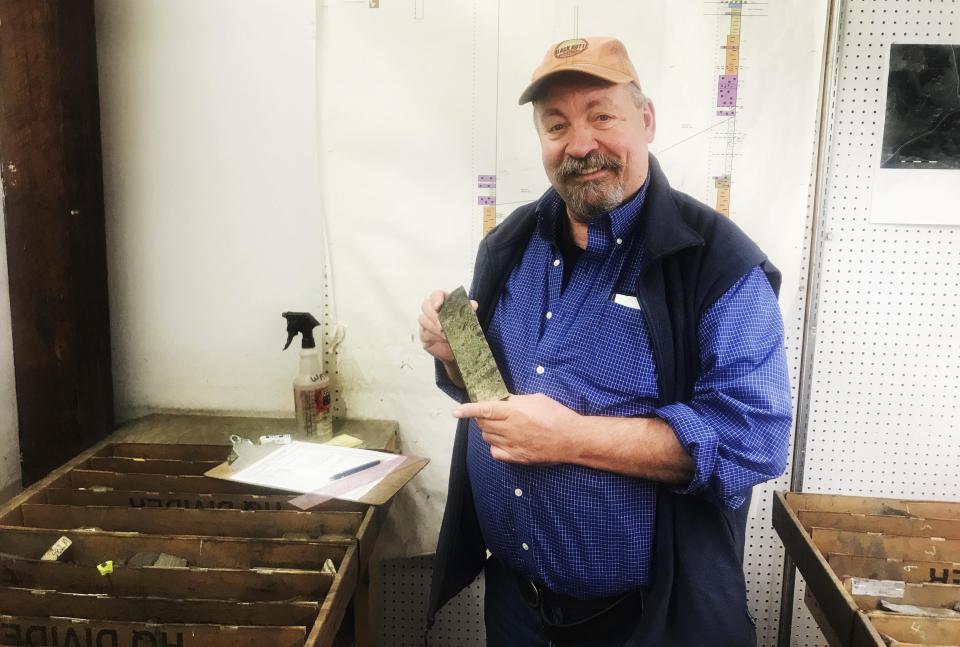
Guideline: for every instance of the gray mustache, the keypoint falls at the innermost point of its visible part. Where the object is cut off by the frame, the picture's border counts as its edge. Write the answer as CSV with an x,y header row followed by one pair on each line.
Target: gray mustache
x,y
572,166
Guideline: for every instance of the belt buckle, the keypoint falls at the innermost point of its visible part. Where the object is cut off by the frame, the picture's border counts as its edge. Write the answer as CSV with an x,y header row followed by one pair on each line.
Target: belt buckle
x,y
537,598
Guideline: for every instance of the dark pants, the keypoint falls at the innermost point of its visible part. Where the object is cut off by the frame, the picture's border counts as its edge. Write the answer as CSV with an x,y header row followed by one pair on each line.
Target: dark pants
x,y
511,622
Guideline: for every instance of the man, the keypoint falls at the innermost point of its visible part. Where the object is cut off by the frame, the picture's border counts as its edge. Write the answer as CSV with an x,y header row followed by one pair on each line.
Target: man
x,y
640,332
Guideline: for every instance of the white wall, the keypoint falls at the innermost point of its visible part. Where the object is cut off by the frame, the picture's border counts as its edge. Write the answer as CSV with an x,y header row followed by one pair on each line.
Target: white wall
x,y
215,199
398,111
9,439
208,114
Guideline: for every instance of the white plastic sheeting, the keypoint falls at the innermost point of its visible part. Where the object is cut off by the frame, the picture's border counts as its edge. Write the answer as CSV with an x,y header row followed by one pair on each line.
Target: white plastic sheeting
x,y
9,440
211,182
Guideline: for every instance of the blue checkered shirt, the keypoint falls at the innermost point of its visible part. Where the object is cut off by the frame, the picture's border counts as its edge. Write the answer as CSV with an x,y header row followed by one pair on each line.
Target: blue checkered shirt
x,y
587,532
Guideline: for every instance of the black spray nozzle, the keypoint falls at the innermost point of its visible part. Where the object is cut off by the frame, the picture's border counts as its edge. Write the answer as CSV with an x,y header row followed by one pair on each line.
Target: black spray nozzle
x,y
302,323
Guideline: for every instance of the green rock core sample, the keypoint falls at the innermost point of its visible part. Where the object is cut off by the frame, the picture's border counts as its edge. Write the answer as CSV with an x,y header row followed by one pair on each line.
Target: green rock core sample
x,y
470,348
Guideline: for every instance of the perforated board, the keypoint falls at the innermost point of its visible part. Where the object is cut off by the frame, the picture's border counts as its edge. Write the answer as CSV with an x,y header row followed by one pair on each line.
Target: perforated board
x,y
405,593
884,387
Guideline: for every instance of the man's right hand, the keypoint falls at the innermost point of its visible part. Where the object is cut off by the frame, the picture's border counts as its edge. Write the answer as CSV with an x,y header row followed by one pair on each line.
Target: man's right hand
x,y
432,337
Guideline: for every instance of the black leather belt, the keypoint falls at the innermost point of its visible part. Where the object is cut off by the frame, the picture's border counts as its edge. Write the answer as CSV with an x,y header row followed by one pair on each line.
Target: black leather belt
x,y
603,615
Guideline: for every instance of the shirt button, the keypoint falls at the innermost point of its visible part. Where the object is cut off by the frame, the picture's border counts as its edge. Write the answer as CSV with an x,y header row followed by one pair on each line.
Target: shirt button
x,y
549,315
518,492
524,546
540,370
619,241
556,262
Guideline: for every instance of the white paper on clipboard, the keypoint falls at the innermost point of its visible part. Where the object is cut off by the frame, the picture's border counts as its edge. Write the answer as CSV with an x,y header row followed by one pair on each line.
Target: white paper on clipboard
x,y
307,467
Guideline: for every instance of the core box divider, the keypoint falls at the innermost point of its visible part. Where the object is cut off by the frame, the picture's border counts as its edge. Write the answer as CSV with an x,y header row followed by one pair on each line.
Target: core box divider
x,y
150,465
258,585
214,500
99,606
21,630
263,524
255,564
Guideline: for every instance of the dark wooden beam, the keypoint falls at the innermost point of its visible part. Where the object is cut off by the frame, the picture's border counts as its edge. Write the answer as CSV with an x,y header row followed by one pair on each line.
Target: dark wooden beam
x,y
52,176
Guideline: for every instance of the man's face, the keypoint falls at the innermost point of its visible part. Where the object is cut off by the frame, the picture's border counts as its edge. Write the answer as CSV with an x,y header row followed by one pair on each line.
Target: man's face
x,y
593,138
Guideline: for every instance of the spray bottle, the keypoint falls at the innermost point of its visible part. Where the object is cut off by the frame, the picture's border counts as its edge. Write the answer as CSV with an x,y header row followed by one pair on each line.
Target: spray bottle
x,y
311,388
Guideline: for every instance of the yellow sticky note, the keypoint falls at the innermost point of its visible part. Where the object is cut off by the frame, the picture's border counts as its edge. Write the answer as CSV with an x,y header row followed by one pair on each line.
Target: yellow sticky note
x,y
345,440
106,568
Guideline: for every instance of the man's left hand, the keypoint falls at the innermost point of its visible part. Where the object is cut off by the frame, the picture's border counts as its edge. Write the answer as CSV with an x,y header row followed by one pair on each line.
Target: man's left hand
x,y
529,429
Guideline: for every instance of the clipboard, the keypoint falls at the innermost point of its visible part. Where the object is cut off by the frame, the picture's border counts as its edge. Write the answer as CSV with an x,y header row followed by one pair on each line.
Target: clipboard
x,y
252,464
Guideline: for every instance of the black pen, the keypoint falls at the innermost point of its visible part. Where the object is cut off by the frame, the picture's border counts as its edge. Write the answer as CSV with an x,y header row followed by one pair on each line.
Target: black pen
x,y
354,470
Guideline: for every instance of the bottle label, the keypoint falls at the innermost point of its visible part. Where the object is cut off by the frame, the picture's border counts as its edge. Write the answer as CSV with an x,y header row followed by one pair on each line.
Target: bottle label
x,y
315,404
322,401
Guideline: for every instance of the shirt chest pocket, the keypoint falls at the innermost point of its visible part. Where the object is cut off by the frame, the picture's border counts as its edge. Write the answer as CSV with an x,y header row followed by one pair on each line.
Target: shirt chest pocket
x,y
619,368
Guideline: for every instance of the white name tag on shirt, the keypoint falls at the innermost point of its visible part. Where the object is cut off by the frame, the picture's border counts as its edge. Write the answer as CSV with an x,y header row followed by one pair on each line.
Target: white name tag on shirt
x,y
626,300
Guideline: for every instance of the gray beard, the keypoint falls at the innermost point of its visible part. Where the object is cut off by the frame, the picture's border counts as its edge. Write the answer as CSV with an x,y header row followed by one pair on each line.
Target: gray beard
x,y
587,200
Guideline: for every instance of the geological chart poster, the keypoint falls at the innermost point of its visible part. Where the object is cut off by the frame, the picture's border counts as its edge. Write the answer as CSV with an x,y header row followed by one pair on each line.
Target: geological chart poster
x,y
736,89
918,176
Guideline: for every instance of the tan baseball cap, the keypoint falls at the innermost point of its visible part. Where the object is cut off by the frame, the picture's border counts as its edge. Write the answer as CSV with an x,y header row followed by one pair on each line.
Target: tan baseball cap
x,y
598,56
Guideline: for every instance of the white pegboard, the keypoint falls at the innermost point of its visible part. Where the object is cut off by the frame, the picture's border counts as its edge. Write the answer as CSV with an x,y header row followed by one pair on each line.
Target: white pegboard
x,y
884,377
405,585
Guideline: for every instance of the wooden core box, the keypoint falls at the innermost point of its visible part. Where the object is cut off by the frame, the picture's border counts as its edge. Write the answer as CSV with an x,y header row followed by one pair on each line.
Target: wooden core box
x,y
254,562
854,552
